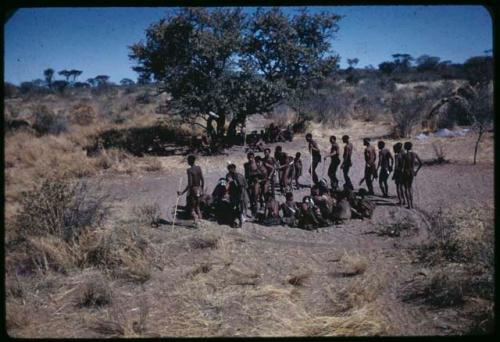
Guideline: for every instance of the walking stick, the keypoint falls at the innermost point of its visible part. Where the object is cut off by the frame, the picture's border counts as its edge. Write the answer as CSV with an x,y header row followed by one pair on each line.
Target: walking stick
x,y
177,203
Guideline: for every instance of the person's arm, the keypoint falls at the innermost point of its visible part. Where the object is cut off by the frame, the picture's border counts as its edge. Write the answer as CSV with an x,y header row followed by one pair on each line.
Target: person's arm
x,y
391,162
419,163
202,182
190,181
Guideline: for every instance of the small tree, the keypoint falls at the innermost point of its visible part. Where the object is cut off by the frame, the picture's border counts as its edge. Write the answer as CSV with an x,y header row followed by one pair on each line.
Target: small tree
x,y
75,74
127,82
49,74
101,80
427,63
65,73
352,62
481,113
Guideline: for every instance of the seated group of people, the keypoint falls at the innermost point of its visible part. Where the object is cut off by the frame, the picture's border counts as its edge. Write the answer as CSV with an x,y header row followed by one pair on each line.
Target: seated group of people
x,y
322,208
256,140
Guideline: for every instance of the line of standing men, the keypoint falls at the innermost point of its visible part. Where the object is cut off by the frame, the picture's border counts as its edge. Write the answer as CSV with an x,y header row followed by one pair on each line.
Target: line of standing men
x,y
403,164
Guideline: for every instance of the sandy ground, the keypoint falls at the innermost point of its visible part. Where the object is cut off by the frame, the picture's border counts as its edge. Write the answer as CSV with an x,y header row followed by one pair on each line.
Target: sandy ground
x,y
245,290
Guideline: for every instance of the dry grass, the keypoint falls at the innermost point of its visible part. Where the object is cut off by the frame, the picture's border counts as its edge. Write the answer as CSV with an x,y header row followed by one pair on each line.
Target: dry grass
x,y
353,264
95,292
148,214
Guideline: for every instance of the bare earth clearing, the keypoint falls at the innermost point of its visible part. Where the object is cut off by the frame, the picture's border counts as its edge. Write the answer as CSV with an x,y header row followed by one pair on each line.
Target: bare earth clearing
x,y
262,281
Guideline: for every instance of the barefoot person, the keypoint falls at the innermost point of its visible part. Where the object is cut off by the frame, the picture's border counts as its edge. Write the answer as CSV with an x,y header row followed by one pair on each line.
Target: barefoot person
x,y
385,163
270,164
316,156
409,172
252,178
195,187
346,162
370,167
334,164
397,176
241,187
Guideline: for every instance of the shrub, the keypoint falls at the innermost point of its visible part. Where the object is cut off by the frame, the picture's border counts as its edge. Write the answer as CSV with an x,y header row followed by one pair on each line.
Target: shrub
x,y
203,242
47,122
120,250
148,213
83,114
60,209
95,292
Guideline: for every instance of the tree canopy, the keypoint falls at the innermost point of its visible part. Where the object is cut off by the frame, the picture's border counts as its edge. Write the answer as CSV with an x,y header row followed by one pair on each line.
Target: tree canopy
x,y
234,64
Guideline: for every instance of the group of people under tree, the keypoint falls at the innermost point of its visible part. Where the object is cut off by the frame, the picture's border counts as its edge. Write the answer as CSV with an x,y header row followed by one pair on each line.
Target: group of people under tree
x,y
238,197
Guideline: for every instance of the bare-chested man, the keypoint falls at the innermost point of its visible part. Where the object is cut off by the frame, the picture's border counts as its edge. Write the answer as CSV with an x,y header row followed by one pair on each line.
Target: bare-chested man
x,y
347,162
241,191
297,165
195,188
409,172
385,163
252,177
264,184
370,167
316,156
397,176
270,164
335,162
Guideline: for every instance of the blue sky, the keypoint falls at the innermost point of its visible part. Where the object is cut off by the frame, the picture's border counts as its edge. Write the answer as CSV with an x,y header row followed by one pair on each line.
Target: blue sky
x,y
95,40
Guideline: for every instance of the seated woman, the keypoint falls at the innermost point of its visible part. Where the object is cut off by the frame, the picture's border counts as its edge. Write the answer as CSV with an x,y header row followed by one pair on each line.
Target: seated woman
x,y
290,211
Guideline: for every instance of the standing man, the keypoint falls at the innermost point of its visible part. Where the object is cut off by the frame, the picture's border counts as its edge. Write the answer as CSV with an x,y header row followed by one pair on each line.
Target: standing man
x,y
270,164
397,176
195,188
252,177
335,162
385,163
240,192
346,162
370,168
409,160
316,156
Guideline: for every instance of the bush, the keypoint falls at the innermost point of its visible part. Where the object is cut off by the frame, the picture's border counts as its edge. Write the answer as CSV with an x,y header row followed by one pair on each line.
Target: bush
x,y
83,114
329,108
47,122
59,209
95,292
148,214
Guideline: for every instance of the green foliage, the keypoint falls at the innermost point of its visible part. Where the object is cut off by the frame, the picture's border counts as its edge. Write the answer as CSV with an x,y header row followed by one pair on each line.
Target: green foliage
x,y
234,64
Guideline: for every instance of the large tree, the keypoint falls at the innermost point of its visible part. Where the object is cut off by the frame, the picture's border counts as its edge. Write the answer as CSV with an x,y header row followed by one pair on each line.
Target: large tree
x,y
233,64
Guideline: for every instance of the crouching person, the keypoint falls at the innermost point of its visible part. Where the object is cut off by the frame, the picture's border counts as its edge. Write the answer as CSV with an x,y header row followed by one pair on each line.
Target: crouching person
x,y
290,211
271,216
342,210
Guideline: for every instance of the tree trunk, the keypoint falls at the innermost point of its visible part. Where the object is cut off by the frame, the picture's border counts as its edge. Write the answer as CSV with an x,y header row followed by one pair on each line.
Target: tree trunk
x,y
231,130
477,145
221,122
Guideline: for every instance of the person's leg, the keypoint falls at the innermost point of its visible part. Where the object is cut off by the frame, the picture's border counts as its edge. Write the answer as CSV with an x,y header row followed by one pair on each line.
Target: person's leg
x,y
368,180
335,184
315,175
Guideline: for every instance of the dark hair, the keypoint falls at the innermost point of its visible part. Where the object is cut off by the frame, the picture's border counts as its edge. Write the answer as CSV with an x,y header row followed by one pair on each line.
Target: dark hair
x,y
381,144
333,137
345,137
366,140
278,148
268,195
267,149
298,154
289,195
231,166
397,146
309,135
258,158
191,158
250,154
408,145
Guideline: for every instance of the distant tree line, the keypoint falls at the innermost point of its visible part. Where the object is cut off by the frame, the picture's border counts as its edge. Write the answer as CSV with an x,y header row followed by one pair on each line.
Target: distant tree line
x,y
51,85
